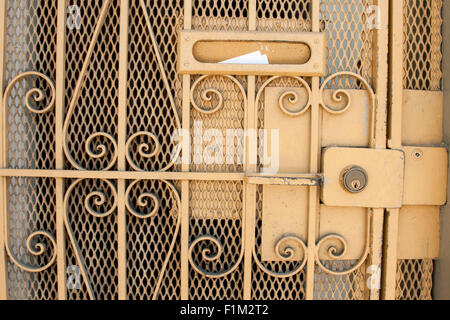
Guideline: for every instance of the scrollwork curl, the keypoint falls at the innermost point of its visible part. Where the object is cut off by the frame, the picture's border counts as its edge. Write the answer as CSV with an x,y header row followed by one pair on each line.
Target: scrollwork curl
x,y
209,257
207,94
338,252
143,148
142,201
292,95
340,95
98,198
35,94
285,254
37,249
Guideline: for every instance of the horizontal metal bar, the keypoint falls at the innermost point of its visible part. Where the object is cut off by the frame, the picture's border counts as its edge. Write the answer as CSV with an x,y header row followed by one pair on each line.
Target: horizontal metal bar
x,y
282,179
305,180
122,175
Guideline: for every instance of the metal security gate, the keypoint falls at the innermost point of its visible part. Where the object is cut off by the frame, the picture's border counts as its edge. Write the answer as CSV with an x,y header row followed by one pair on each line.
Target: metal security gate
x,y
115,183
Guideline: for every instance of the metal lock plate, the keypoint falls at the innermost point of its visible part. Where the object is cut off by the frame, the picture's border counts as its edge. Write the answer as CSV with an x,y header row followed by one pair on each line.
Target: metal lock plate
x,y
381,171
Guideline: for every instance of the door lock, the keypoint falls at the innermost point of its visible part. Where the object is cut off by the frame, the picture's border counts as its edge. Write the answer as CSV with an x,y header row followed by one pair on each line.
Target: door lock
x,y
354,179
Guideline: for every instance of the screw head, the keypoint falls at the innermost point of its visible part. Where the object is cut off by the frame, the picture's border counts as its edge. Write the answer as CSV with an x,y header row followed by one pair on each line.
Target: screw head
x,y
417,154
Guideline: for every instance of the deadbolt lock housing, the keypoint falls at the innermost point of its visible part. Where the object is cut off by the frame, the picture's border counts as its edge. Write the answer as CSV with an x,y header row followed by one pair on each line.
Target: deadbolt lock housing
x,y
371,178
354,179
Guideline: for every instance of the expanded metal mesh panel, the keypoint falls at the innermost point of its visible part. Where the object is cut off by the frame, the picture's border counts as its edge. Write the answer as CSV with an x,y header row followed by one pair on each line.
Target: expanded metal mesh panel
x,y
150,110
94,235
284,15
95,111
149,104
266,286
220,15
349,32
216,211
340,287
216,207
25,218
422,44
149,242
414,279
30,45
93,139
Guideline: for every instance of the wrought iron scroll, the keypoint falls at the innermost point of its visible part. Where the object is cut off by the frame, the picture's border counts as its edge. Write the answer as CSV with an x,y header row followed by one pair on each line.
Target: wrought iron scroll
x,y
37,96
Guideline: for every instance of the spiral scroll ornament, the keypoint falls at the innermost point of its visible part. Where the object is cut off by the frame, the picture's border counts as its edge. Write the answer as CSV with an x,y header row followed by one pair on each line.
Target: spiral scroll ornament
x,y
285,252
212,95
35,245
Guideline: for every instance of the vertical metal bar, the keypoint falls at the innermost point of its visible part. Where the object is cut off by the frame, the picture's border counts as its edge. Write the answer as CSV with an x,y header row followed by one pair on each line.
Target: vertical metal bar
x,y
250,189
436,43
395,142
186,123
379,141
381,45
3,212
396,73
121,142
314,165
59,152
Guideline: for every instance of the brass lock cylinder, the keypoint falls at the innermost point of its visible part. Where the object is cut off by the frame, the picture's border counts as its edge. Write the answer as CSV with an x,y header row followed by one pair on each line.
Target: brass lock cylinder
x,y
354,179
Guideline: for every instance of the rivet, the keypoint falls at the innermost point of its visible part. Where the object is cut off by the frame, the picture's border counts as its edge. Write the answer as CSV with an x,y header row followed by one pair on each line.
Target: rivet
x,y
417,154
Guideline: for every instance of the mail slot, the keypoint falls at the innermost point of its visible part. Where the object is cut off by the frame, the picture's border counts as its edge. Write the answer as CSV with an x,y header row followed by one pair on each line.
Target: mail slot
x,y
252,53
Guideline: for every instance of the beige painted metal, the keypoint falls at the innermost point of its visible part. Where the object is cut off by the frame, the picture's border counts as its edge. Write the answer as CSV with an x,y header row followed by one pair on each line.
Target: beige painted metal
x,y
412,232
350,129
350,223
3,180
303,180
422,118
226,231
418,232
59,120
280,63
426,172
385,175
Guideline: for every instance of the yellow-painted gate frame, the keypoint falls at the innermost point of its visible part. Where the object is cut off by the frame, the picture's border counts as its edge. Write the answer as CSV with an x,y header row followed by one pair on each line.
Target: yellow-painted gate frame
x,y
385,56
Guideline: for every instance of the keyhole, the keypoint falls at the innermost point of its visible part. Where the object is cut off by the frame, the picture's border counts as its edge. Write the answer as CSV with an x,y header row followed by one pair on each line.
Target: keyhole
x,y
356,184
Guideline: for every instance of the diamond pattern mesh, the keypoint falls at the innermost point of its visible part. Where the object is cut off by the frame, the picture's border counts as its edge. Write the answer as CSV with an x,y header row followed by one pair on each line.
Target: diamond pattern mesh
x,y
346,287
283,15
226,225
146,254
149,106
96,237
414,279
422,44
96,110
220,15
30,46
346,24
215,207
26,218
